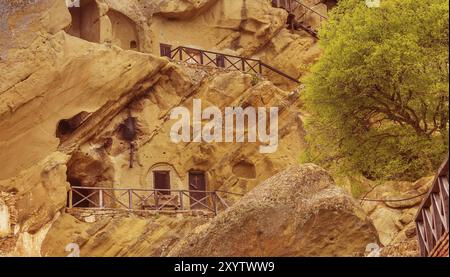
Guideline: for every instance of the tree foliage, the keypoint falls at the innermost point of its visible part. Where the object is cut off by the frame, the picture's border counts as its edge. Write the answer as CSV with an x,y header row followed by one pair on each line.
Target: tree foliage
x,y
378,97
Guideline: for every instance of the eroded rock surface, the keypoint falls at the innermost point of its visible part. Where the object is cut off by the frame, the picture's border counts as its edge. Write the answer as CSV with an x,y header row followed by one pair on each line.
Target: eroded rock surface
x,y
64,98
395,221
121,235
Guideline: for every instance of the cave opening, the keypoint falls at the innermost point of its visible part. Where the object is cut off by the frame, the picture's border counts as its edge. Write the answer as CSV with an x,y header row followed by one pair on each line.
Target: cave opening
x,y
85,21
124,31
128,132
90,174
244,169
66,127
81,198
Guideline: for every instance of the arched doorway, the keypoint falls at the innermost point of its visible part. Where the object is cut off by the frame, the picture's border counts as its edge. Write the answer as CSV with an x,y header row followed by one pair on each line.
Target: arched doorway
x,y
85,21
124,31
87,171
81,197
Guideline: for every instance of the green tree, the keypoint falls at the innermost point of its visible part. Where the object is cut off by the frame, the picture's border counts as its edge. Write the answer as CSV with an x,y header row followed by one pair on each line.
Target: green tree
x,y
377,99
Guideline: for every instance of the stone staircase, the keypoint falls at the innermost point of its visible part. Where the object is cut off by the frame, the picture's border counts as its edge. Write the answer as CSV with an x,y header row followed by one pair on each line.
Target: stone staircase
x,y
298,16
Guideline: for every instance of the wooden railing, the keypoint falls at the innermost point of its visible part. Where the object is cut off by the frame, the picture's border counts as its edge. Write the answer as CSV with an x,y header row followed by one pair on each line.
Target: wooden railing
x,y
146,199
297,16
432,217
220,60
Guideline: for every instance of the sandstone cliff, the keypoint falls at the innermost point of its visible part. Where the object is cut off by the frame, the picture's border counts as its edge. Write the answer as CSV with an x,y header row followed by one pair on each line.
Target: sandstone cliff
x,y
51,80
120,235
67,89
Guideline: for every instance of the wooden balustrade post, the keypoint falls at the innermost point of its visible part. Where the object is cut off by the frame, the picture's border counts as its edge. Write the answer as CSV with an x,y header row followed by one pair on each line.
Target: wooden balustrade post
x,y
432,218
214,198
100,198
130,199
181,200
181,53
156,200
70,198
201,57
421,238
243,64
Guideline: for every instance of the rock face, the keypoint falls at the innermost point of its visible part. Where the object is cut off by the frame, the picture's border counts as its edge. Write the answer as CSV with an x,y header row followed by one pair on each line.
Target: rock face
x,y
67,90
394,221
236,167
240,26
8,221
292,52
64,100
180,9
42,84
298,212
5,225
31,110
120,235
248,28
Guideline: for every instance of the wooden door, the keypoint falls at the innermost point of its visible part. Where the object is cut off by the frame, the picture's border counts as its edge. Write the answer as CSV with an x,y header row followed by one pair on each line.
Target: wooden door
x,y
166,50
197,188
161,180
220,61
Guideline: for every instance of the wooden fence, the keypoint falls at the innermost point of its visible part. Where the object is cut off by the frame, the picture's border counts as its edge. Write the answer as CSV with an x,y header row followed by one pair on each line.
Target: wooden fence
x,y
432,218
146,199
220,60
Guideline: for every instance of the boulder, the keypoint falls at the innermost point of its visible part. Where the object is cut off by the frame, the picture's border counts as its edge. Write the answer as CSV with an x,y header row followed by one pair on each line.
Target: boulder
x,y
385,220
298,212
403,244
